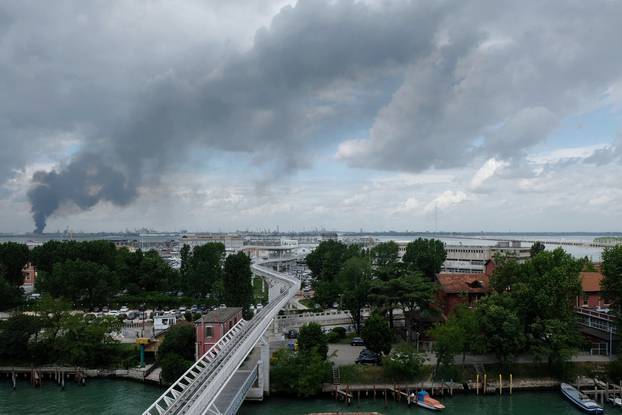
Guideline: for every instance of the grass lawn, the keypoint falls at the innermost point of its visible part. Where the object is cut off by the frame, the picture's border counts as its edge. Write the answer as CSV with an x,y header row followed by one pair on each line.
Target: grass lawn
x,y
375,375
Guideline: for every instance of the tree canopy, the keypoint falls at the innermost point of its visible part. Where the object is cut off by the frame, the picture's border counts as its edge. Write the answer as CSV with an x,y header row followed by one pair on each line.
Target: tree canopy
x,y
237,283
425,255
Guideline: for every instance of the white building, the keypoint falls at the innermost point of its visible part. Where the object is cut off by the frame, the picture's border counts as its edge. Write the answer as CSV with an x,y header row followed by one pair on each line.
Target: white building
x,y
471,259
163,321
233,243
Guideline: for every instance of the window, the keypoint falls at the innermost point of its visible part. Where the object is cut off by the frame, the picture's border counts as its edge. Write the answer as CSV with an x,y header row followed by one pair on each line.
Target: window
x,y
586,300
209,332
164,321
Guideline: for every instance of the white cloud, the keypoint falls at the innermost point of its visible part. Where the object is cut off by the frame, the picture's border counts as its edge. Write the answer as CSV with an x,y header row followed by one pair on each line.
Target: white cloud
x,y
488,169
446,200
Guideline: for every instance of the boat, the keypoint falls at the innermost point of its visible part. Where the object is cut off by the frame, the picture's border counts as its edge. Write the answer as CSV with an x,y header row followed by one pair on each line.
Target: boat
x,y
424,400
581,400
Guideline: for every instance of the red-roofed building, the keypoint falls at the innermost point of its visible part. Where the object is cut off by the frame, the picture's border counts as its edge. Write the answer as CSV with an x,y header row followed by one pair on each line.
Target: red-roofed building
x,y
213,326
592,293
456,289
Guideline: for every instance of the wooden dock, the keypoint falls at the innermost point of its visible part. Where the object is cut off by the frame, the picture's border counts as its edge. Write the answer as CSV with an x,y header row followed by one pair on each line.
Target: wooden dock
x,y
37,375
386,392
599,390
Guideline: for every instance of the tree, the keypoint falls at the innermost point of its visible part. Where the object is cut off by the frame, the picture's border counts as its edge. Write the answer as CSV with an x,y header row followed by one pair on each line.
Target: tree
x,y
180,340
385,257
173,366
15,335
460,334
536,248
298,373
85,283
325,263
185,254
501,327
377,334
155,274
205,268
415,293
404,363
10,295
86,342
425,255
612,271
13,258
237,283
311,339
354,280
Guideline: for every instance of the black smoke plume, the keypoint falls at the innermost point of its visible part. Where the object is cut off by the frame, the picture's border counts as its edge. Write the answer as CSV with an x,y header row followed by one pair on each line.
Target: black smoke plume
x,y
84,182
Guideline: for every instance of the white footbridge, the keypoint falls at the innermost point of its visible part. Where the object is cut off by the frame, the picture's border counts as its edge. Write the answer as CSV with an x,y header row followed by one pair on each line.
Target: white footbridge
x,y
239,364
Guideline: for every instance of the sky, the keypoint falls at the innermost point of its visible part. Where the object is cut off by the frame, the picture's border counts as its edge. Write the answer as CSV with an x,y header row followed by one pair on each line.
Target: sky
x,y
207,115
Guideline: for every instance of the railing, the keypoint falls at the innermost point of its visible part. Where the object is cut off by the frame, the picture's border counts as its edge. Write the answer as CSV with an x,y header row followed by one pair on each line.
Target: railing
x,y
241,394
597,320
197,389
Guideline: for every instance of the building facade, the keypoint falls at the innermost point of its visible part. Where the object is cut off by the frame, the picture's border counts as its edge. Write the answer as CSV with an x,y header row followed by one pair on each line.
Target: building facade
x,y
213,326
591,292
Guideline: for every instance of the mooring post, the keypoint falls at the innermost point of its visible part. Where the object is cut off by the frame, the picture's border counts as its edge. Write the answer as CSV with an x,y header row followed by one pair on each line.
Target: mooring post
x,y
500,384
14,380
477,384
510,383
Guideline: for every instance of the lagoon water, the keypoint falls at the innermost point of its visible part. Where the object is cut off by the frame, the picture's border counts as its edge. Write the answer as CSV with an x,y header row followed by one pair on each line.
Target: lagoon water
x,y
121,397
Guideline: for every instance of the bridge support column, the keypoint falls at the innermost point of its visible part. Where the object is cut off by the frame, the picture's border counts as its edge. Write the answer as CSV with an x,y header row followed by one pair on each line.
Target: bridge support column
x,y
264,364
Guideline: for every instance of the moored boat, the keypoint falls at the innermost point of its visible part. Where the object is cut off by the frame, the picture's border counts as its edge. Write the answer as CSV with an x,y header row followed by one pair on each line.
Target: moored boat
x,y
424,400
581,400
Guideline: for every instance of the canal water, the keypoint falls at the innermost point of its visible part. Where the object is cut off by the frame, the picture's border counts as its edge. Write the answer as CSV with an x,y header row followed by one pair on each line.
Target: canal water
x,y
120,397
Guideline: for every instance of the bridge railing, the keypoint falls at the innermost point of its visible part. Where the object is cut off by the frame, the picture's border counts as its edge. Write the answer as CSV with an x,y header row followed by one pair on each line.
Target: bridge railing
x,y
200,385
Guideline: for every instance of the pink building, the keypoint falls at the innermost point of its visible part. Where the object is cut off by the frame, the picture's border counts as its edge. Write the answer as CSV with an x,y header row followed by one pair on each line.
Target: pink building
x,y
30,276
213,326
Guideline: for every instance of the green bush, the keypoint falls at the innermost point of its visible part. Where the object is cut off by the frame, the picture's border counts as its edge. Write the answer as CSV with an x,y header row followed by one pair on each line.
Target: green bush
x,y
340,331
298,373
404,362
173,366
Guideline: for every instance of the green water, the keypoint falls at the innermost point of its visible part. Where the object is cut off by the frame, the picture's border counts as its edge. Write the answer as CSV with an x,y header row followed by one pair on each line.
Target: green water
x,y
101,396
536,403
119,397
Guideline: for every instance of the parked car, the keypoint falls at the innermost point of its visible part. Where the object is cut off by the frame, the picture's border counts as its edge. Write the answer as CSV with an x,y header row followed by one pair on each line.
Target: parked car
x,y
367,356
357,341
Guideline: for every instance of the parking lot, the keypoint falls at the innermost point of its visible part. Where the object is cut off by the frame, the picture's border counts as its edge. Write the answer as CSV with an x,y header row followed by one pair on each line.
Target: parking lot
x,y
343,354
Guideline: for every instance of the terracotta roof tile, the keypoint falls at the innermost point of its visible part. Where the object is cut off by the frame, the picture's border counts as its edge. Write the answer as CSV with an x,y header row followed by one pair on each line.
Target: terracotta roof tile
x,y
590,281
463,283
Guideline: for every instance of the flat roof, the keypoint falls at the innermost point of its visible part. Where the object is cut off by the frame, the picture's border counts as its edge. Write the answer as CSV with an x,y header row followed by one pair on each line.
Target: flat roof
x,y
220,315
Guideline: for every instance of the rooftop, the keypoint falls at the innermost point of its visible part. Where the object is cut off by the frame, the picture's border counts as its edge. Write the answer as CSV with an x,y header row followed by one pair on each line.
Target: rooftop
x,y
220,315
590,281
463,283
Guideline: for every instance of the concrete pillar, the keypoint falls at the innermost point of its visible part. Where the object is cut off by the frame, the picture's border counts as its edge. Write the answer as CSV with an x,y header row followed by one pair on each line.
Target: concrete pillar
x,y
264,364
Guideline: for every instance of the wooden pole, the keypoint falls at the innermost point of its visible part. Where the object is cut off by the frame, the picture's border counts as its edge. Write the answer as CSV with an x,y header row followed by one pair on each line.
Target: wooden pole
x,y
500,384
484,385
510,383
477,384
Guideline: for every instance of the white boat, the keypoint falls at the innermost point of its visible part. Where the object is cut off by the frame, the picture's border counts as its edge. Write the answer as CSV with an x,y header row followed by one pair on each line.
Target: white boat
x,y
424,400
581,400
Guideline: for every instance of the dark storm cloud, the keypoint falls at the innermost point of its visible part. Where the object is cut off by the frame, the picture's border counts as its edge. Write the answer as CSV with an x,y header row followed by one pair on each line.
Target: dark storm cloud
x,y
269,101
447,83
